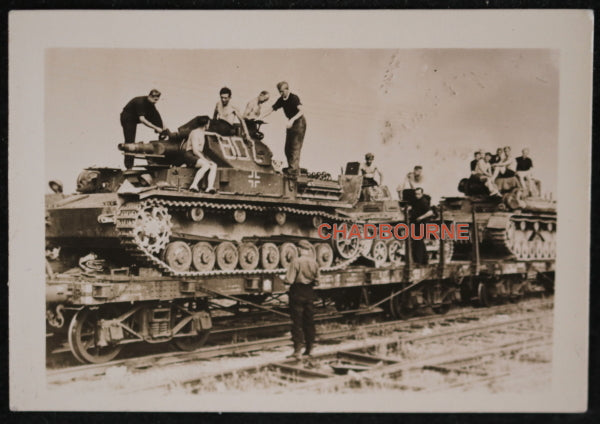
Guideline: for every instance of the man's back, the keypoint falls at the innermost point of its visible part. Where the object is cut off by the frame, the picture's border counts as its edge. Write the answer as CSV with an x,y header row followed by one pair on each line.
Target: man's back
x,y
303,269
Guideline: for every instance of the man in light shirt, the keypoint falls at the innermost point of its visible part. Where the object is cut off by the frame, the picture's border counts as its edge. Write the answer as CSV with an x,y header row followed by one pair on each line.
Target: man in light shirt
x,y
194,157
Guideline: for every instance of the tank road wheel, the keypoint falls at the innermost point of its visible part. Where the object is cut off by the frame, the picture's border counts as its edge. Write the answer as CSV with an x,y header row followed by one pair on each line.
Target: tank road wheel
x,y
83,338
227,255
346,248
178,256
269,256
324,255
396,252
152,229
287,252
511,232
379,252
203,256
249,256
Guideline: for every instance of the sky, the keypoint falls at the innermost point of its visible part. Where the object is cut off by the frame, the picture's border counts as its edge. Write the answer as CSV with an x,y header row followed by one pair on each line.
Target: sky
x,y
428,107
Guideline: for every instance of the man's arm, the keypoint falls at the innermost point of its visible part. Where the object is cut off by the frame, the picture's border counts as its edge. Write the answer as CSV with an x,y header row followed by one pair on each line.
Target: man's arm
x,y
216,112
380,176
149,124
290,275
296,116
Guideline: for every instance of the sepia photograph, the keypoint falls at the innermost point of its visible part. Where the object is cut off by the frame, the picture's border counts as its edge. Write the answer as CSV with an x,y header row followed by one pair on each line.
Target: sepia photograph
x,y
375,223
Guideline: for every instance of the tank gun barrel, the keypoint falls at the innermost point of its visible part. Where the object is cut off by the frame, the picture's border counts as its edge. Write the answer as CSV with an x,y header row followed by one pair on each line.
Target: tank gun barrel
x,y
162,148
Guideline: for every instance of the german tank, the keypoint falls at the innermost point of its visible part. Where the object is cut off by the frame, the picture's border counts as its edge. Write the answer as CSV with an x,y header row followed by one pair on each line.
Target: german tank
x,y
147,214
519,223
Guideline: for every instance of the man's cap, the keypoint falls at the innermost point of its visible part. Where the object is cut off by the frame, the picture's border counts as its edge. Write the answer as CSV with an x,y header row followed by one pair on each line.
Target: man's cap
x,y
369,156
304,244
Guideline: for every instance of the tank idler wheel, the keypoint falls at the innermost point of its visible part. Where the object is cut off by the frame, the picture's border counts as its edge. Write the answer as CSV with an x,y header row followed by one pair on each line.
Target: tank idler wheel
x,y
324,255
196,214
83,336
188,344
178,256
379,252
248,256
239,216
287,252
396,252
280,218
269,256
227,256
203,256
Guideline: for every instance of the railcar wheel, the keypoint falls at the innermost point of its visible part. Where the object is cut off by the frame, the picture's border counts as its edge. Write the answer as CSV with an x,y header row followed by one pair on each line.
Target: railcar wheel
x,y
83,338
396,252
269,256
227,255
248,256
379,252
287,252
401,306
483,295
178,256
188,344
324,255
203,256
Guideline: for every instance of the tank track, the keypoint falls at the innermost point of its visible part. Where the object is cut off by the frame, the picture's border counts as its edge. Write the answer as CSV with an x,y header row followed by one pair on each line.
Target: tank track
x,y
523,240
126,224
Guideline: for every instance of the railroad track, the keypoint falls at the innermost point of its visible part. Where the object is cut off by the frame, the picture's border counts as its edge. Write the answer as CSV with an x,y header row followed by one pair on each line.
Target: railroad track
x,y
132,366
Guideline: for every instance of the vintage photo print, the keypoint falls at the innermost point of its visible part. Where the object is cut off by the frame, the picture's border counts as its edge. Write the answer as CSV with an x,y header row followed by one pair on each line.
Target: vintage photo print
x,y
299,211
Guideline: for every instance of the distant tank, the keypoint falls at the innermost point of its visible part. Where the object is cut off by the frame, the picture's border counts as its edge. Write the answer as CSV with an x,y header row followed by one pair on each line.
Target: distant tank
x,y
376,206
517,224
147,213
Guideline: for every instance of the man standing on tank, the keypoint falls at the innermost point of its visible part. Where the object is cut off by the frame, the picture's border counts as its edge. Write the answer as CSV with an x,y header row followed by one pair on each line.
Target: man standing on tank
x,y
140,110
419,214
302,274
296,126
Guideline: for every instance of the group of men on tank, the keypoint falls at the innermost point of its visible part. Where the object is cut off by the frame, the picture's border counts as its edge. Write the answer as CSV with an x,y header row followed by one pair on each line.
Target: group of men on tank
x,y
142,110
487,168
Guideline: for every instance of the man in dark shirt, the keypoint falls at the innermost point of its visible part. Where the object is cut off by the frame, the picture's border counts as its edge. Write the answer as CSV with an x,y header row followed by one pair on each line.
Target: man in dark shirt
x,y
524,173
419,214
296,126
302,274
478,155
497,157
140,110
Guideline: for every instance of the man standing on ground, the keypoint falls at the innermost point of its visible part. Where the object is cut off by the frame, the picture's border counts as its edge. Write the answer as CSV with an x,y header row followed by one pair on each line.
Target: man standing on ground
x,y
302,274
419,214
296,126
140,110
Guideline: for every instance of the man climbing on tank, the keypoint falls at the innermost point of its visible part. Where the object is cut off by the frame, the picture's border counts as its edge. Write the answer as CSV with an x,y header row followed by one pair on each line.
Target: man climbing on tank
x,y
413,180
368,170
420,212
296,126
140,110
226,115
302,274
194,157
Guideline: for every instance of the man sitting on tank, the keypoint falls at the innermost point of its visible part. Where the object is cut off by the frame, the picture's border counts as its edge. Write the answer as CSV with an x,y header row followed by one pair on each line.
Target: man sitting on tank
x,y
498,156
194,157
506,167
477,156
483,173
368,170
227,117
524,173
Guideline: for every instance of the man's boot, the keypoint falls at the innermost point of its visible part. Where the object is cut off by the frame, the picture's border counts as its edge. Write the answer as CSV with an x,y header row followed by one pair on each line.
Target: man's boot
x,y
297,353
308,350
